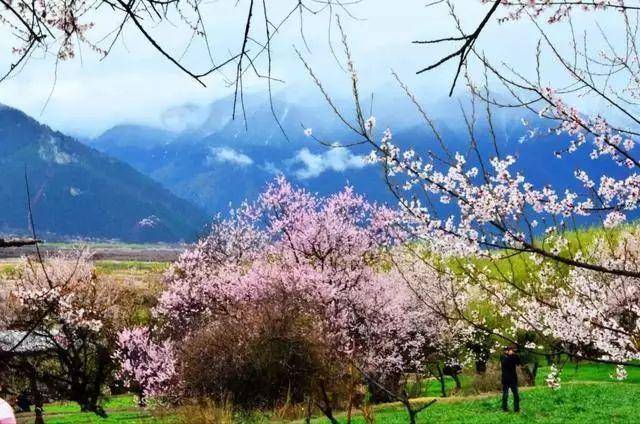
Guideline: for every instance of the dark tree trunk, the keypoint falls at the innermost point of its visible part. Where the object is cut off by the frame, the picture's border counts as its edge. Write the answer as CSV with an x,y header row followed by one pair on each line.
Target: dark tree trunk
x,y
456,378
37,397
307,417
413,412
391,383
441,379
412,417
481,367
326,407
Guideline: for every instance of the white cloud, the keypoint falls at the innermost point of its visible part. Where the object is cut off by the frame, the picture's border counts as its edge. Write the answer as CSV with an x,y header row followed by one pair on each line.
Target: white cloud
x,y
136,84
271,168
229,155
336,159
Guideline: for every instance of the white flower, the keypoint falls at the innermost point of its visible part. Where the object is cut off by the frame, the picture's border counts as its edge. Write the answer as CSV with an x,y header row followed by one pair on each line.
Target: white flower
x,y
613,219
620,374
308,132
553,378
370,123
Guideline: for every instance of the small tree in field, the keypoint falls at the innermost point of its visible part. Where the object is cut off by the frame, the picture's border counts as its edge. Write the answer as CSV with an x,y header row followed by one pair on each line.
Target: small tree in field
x,y
73,315
291,270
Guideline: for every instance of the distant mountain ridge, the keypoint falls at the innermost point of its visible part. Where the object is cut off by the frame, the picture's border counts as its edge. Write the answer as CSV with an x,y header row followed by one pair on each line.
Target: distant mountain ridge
x,y
77,191
139,183
215,161
223,161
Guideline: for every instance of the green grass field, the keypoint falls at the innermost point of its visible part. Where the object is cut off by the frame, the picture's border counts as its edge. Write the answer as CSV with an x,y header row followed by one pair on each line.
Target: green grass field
x,y
588,395
135,267
580,402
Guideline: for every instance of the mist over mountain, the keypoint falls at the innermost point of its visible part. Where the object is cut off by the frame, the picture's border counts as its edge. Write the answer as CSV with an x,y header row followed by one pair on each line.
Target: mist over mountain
x,y
77,191
224,161
215,161
141,183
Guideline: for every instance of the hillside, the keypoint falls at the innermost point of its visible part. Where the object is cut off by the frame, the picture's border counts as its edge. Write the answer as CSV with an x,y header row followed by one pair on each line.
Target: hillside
x,y
217,161
220,161
77,191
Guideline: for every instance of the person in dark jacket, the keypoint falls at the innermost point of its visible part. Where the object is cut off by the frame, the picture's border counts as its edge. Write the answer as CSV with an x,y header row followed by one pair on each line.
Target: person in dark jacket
x,y
509,363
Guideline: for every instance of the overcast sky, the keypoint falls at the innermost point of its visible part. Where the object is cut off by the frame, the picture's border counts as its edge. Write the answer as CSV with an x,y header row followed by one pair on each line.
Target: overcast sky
x,y
134,84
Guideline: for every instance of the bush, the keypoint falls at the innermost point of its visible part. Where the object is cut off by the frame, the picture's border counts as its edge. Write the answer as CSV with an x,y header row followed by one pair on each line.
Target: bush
x,y
256,362
205,412
488,381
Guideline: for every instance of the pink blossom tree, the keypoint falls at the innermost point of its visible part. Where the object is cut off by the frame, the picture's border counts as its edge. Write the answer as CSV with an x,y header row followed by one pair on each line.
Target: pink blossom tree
x,y
67,319
326,259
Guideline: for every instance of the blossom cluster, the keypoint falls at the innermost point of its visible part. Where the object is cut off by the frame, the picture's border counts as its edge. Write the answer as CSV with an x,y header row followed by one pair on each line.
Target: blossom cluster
x,y
56,289
620,373
322,258
143,361
556,11
590,310
553,378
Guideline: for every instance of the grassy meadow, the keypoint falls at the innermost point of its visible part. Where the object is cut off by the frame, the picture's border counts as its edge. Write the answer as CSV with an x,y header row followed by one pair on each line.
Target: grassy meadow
x,y
588,395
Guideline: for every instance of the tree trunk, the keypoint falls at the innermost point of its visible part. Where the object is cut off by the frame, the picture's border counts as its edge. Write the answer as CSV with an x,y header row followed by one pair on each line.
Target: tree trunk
x,y
326,409
35,392
351,388
391,382
307,418
456,378
412,416
37,402
441,379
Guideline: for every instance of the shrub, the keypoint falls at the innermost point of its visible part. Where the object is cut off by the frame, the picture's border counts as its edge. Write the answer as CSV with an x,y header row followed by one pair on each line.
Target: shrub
x,y
284,300
205,411
257,363
490,380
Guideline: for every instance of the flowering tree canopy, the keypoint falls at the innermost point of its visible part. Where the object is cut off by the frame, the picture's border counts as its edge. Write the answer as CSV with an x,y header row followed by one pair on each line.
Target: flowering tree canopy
x,y
322,262
60,303
485,219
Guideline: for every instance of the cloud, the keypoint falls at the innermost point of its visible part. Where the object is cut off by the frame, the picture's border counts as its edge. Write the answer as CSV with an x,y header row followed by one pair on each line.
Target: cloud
x,y
229,155
135,84
186,117
337,159
271,168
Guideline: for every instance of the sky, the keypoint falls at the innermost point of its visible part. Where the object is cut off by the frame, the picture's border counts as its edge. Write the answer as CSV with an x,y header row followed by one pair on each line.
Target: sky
x,y
135,84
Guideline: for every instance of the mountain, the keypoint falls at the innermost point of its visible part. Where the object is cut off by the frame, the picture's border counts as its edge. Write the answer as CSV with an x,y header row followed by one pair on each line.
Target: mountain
x,y
123,136
223,161
213,160
77,191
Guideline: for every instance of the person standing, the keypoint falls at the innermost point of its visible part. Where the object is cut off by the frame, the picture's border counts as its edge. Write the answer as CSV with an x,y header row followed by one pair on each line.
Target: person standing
x,y
509,363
